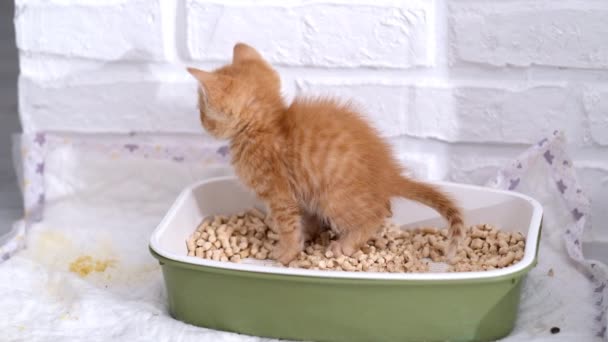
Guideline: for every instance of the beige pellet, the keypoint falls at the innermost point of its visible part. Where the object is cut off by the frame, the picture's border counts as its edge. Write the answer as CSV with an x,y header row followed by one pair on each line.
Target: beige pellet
x,y
235,258
191,244
435,256
486,249
493,233
467,241
426,251
261,255
471,254
347,266
251,235
268,245
477,243
221,229
503,244
507,260
232,219
478,233
503,236
493,261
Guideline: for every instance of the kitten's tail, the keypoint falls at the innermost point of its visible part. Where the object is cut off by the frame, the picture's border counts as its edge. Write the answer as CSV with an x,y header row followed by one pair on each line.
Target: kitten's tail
x,y
432,197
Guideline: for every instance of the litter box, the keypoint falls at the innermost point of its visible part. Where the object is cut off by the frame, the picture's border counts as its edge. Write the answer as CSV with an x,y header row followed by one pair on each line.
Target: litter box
x,y
298,304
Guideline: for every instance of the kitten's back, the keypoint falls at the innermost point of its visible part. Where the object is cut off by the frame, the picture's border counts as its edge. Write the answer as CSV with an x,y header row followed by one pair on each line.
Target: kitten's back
x,y
336,124
331,142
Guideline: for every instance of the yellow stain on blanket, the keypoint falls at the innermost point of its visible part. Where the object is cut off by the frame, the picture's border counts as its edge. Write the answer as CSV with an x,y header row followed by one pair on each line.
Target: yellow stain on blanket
x,y
83,265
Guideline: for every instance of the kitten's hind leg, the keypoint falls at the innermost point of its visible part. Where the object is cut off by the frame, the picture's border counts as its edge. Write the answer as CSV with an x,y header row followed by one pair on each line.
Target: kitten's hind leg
x,y
288,220
351,240
355,231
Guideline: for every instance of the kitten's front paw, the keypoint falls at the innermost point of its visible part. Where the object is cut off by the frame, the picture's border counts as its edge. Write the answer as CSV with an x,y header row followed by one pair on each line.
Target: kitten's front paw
x,y
335,248
339,248
285,252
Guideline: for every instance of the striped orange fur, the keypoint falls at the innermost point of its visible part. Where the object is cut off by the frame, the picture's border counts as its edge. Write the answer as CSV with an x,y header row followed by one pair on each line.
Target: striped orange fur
x,y
315,162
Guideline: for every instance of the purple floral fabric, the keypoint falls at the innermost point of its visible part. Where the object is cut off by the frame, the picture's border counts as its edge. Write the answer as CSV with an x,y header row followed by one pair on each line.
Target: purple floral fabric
x,y
563,176
34,149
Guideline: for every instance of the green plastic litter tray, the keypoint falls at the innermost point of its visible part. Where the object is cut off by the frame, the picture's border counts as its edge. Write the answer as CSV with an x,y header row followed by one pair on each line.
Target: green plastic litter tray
x,y
298,304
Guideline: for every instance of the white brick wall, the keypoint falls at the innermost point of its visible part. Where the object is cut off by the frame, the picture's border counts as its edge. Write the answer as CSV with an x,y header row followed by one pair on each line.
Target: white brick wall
x,y
525,33
465,84
104,30
500,114
390,35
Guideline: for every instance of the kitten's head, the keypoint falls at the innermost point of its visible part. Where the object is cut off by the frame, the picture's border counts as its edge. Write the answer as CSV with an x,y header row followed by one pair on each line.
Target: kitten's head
x,y
236,95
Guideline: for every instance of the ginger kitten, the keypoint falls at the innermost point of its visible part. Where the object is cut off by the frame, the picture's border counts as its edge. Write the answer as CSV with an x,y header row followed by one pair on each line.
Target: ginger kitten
x,y
314,162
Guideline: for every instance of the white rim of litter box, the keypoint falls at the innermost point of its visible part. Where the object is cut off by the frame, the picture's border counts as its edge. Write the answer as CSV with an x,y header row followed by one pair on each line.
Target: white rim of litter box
x,y
528,259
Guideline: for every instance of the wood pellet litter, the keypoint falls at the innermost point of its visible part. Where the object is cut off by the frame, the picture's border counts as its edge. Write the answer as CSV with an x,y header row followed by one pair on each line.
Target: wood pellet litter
x,y
250,235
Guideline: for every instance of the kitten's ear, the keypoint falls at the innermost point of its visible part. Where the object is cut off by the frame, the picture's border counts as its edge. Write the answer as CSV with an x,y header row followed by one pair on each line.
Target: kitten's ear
x,y
201,76
243,52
